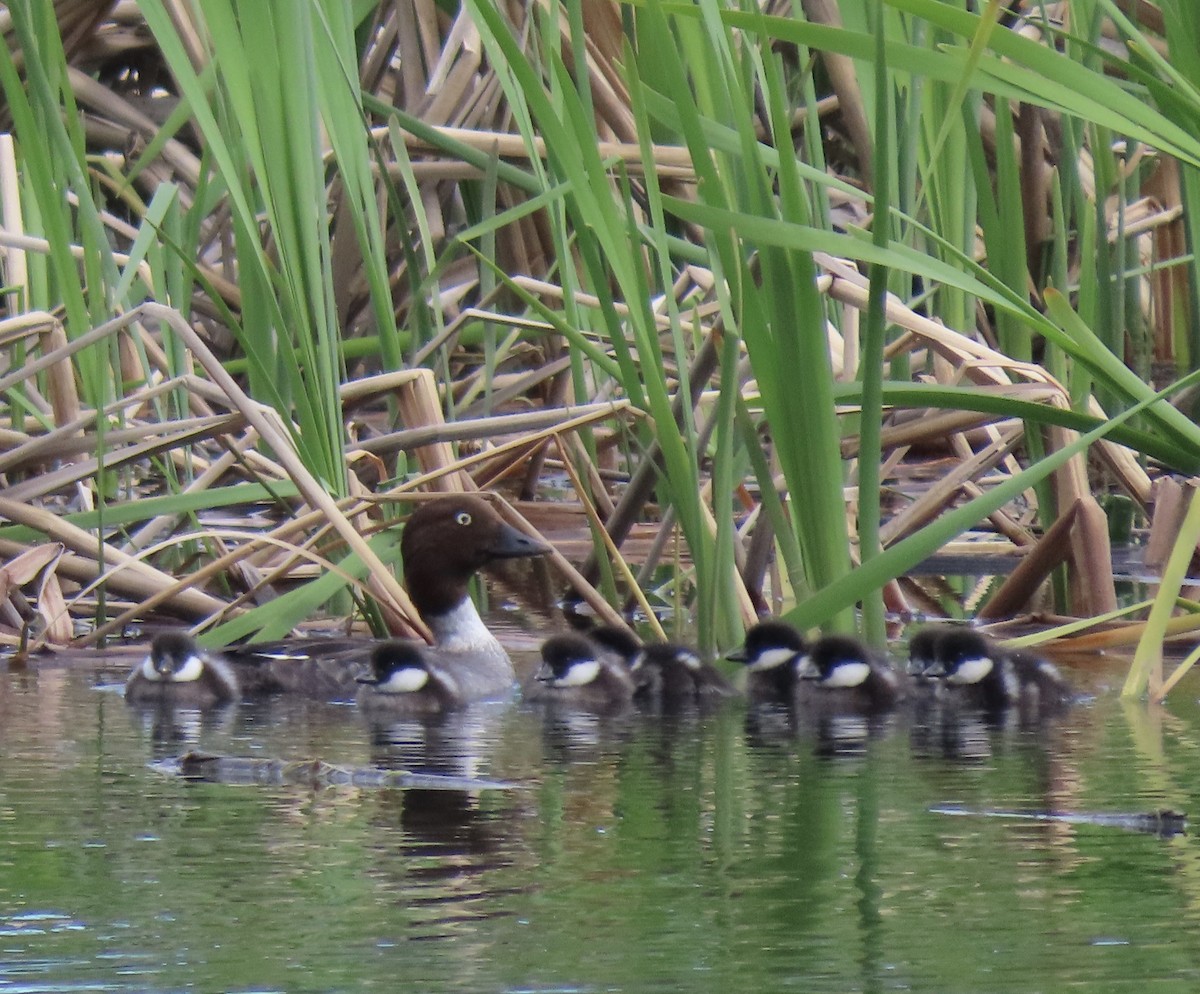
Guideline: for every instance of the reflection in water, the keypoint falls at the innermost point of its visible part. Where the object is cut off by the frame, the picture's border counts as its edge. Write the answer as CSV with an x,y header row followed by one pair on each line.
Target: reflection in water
x,y
746,848
574,735
172,731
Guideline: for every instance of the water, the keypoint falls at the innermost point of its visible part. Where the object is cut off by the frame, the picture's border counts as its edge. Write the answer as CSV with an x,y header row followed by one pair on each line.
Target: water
x,y
696,853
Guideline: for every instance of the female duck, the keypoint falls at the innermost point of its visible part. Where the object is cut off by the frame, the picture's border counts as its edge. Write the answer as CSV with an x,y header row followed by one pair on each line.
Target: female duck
x,y
445,542
577,674
179,673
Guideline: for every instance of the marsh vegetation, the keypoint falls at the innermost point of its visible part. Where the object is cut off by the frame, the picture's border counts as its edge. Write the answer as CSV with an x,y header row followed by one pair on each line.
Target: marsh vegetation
x,y
779,300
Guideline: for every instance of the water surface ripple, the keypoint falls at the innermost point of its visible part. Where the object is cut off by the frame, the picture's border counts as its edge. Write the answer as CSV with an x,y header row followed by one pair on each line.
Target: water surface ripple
x,y
734,850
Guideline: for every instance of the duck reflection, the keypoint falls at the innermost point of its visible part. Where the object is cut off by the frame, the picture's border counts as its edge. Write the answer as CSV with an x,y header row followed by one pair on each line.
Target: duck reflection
x,y
436,848
457,745
830,732
172,730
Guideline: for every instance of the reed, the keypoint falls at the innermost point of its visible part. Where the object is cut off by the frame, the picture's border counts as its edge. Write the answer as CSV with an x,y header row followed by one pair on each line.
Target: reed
x,y
792,246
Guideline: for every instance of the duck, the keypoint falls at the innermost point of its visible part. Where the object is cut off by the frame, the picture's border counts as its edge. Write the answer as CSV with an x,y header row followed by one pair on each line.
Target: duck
x,y
403,681
859,677
178,672
771,653
984,675
445,542
665,672
578,674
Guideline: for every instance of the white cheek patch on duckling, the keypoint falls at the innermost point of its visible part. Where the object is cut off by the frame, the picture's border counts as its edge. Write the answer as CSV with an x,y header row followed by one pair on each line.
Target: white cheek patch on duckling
x,y
578,674
689,659
769,659
971,670
848,674
191,670
406,680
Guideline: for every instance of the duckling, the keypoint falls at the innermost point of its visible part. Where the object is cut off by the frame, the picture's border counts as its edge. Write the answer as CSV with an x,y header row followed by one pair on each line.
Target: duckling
x,y
923,648
989,677
179,673
663,671
577,674
842,666
673,674
621,643
771,652
403,682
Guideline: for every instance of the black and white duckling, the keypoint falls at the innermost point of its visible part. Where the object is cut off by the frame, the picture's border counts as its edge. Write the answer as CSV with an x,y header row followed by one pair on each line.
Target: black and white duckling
x,y
989,677
576,673
860,678
923,646
663,671
771,653
178,672
673,674
403,682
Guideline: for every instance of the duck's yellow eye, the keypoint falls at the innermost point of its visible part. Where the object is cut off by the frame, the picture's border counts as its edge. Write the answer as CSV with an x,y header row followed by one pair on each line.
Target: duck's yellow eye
x,y
463,518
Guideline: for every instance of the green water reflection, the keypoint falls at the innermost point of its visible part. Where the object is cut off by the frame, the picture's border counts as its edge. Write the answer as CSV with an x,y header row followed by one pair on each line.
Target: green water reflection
x,y
692,853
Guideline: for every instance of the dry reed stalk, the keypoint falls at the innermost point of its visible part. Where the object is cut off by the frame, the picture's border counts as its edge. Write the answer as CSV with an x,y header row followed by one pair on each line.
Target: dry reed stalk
x,y
843,77
387,591
23,569
939,496
145,579
668,161
597,413
1168,509
223,563
1035,567
116,456
419,403
1004,523
16,268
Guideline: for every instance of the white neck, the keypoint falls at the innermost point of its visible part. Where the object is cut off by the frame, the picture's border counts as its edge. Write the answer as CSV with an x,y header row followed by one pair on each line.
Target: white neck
x,y
462,630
